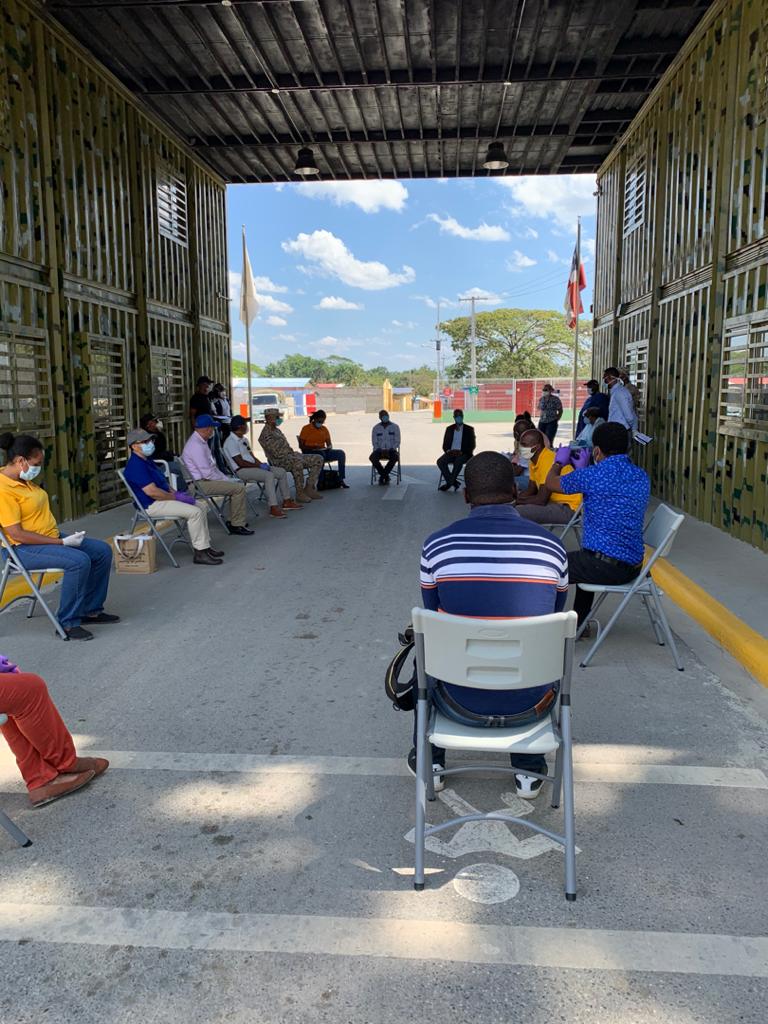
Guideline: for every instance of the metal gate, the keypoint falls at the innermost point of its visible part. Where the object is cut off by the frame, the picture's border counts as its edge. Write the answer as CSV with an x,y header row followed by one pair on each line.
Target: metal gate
x,y
110,403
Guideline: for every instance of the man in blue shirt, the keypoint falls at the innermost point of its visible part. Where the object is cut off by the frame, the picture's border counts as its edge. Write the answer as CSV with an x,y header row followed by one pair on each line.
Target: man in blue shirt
x,y
494,564
152,492
616,493
594,400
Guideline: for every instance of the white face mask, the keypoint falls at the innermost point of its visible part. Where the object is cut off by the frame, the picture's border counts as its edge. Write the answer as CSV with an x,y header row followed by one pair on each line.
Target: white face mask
x,y
30,472
159,424
527,453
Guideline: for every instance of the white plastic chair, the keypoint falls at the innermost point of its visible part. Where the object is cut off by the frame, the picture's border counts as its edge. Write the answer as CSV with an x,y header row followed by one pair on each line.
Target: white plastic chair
x,y
659,534
488,654
12,567
11,827
140,514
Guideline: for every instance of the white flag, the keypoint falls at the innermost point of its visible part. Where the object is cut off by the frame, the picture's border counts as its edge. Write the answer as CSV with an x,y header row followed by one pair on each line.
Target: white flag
x,y
249,305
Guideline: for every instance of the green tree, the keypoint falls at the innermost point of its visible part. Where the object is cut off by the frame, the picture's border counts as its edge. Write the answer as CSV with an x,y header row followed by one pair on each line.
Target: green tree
x,y
517,343
297,365
421,379
239,369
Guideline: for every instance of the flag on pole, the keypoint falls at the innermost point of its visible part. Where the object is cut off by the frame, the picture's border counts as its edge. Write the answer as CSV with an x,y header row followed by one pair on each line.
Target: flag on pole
x,y
577,282
249,305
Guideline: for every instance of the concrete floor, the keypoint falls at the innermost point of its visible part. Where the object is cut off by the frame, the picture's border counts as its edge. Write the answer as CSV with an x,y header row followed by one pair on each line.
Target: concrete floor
x,y
246,860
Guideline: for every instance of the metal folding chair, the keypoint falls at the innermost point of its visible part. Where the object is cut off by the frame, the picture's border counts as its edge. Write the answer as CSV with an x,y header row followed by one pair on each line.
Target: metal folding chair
x,y
487,654
659,535
11,827
398,470
194,487
459,479
141,515
12,567
574,523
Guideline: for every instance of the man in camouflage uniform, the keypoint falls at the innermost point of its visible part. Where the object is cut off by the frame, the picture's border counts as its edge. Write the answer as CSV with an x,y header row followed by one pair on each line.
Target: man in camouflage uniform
x,y
280,453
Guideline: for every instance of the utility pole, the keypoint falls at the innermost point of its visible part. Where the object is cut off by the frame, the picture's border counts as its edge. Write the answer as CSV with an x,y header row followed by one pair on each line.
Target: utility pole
x,y
437,354
576,330
473,344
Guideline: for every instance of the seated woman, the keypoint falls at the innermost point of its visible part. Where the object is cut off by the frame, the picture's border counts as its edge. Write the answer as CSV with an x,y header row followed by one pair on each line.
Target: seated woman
x,y
28,523
315,439
39,740
592,419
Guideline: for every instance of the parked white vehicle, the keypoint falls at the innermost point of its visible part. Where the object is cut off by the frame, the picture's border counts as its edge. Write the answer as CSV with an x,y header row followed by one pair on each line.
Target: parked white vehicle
x,y
269,400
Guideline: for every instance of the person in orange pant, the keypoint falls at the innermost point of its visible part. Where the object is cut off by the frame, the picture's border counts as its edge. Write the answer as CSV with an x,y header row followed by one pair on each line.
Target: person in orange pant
x,y
39,739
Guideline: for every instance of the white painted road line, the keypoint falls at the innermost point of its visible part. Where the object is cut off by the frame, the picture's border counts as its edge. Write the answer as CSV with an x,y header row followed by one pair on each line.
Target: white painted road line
x,y
388,938
395,492
584,771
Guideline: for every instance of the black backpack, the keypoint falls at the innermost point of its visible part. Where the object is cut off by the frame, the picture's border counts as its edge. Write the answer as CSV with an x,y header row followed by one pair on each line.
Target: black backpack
x,y
329,480
402,694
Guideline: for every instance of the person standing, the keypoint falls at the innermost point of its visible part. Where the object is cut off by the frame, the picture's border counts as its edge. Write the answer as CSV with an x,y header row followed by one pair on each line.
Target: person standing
x,y
202,468
621,408
385,438
595,400
200,403
246,466
315,439
550,411
279,452
459,444
631,388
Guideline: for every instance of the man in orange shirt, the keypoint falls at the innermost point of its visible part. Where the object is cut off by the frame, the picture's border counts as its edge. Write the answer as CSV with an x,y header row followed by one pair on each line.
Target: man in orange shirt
x,y
538,504
315,439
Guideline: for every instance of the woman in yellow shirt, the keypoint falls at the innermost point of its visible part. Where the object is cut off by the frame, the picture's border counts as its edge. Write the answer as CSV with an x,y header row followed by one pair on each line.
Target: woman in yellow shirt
x,y
29,526
315,439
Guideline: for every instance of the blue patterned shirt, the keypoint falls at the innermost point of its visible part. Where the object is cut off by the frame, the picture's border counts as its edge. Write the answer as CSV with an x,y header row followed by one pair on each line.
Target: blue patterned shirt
x,y
616,493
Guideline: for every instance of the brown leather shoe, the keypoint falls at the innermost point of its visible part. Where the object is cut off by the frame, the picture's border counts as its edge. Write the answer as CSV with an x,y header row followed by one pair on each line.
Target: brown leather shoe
x,y
205,558
292,506
97,765
61,786
277,513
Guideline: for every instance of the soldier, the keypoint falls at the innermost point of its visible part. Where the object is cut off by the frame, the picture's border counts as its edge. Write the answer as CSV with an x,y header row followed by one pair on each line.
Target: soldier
x,y
280,453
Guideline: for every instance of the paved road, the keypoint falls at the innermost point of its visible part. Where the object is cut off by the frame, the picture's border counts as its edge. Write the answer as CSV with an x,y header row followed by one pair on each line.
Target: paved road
x,y
246,858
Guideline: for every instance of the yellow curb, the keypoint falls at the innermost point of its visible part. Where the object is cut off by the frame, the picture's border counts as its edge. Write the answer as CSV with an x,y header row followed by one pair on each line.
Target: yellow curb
x,y
745,644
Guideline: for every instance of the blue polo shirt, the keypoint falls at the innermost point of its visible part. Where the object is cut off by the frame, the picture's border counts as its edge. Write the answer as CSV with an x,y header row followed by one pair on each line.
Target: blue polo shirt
x,y
616,493
140,472
494,564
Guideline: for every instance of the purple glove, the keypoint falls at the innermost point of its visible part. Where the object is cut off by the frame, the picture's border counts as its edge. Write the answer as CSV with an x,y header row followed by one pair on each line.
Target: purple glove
x,y
6,665
563,455
581,458
184,496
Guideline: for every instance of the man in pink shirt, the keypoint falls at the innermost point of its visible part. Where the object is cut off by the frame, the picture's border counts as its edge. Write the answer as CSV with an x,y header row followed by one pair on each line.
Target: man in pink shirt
x,y
202,467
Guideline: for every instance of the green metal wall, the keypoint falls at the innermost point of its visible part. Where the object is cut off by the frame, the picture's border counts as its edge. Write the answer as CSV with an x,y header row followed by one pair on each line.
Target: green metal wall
x,y
113,297
681,276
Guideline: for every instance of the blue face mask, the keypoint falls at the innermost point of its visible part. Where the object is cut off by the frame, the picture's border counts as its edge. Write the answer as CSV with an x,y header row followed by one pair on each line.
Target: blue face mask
x,y
279,421
30,473
384,419
148,448
458,420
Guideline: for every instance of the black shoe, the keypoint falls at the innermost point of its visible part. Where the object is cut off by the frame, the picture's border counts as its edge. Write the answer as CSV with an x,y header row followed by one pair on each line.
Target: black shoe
x,y
456,487
439,781
385,480
215,553
345,486
382,481
205,558
78,633
444,487
526,786
101,619
239,531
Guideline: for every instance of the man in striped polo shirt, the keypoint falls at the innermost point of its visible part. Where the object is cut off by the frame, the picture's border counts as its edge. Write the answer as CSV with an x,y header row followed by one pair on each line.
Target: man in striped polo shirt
x,y
496,565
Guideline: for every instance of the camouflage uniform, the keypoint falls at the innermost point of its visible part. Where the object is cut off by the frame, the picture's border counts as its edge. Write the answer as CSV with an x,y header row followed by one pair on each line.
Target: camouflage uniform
x,y
280,453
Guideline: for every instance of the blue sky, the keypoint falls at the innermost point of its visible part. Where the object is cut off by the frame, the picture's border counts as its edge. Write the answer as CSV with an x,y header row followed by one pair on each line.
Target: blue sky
x,y
357,268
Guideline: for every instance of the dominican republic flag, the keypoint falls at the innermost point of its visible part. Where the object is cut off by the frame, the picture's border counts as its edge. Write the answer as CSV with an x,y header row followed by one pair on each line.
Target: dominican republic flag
x,y
577,282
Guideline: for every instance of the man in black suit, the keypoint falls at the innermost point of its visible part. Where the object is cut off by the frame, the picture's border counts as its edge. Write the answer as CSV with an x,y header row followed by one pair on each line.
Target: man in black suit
x,y
458,447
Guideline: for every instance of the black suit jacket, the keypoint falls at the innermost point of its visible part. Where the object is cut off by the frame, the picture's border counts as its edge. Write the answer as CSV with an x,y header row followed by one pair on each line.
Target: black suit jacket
x,y
468,441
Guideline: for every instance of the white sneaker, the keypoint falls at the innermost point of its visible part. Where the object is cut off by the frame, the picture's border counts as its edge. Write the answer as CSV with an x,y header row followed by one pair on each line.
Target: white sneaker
x,y
439,781
527,786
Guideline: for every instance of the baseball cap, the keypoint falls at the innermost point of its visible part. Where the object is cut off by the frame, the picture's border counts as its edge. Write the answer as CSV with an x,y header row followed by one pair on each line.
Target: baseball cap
x,y
238,421
134,436
589,383
205,421
204,380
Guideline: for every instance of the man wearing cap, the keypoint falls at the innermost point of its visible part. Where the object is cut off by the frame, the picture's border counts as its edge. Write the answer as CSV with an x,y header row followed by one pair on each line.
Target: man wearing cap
x,y
246,466
151,488
595,400
202,468
280,453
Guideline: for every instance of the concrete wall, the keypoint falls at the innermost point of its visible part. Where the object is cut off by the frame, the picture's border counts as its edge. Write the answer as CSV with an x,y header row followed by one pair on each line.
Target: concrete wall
x,y
681,289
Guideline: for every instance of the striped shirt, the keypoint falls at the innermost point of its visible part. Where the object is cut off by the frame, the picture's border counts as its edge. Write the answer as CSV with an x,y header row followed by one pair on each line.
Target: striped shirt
x,y
494,565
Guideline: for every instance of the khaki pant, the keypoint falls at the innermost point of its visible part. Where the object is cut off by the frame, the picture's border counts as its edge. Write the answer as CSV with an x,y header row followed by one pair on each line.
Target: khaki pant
x,y
232,489
195,515
554,512
296,464
273,479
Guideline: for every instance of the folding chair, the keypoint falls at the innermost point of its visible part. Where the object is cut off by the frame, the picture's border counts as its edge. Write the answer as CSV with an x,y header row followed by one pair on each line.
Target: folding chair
x,y
327,463
12,567
487,654
659,534
574,523
140,514
194,487
11,827
459,478
398,470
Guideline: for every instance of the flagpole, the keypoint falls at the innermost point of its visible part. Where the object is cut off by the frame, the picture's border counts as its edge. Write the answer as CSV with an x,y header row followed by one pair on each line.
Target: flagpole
x,y
576,328
247,338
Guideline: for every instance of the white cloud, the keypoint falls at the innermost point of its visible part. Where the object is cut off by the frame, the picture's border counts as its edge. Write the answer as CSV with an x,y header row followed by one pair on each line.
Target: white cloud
x,y
519,261
285,337
554,257
334,302
329,345
330,255
407,325
266,284
271,305
483,233
328,341
431,303
559,198
483,296
276,321
587,249
528,233
369,196
234,286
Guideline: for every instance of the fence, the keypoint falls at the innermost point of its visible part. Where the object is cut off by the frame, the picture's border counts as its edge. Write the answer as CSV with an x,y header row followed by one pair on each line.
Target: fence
x,y
505,398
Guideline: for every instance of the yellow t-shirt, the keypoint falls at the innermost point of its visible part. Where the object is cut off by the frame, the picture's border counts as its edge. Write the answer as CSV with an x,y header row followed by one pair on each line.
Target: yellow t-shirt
x,y
27,506
538,473
314,437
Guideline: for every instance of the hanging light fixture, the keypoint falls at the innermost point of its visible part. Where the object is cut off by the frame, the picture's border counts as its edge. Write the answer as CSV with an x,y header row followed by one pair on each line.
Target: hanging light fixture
x,y
495,158
305,163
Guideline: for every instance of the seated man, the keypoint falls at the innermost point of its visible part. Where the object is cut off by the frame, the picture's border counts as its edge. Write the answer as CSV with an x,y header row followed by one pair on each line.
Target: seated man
x,y
595,399
202,467
538,503
280,453
151,488
246,466
385,438
616,493
315,439
592,419
458,447
494,564
39,740
154,426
